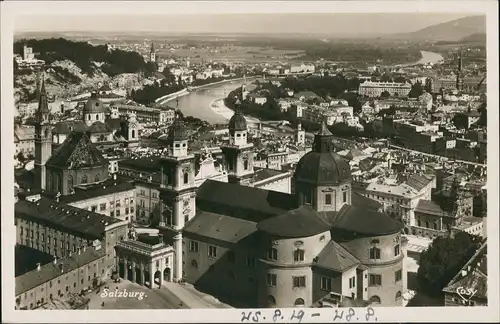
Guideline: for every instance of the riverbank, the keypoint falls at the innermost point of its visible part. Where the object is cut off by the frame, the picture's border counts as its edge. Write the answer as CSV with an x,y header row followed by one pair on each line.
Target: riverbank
x,y
165,99
221,109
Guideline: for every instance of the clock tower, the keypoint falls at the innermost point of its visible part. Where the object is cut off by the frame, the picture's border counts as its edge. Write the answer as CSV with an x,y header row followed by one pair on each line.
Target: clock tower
x,y
178,189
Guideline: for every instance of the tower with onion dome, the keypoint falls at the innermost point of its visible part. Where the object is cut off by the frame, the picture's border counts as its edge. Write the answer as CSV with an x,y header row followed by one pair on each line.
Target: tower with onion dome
x,y
238,152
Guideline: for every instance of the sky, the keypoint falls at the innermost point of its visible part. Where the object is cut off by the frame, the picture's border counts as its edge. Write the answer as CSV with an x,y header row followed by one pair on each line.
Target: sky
x,y
333,24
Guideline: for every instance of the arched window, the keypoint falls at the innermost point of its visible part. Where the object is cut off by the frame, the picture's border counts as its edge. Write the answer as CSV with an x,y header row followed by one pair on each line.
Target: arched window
x,y
426,224
133,133
398,296
70,183
374,253
271,301
194,264
435,226
97,178
299,302
186,178
419,223
375,300
84,179
245,164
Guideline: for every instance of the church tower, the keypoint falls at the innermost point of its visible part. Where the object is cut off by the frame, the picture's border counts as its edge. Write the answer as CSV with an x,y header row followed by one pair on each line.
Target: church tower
x,y
322,178
152,53
177,189
460,76
300,134
238,152
43,138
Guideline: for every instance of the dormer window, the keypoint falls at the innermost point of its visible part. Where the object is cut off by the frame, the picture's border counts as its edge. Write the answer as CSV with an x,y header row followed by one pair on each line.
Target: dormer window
x,y
177,145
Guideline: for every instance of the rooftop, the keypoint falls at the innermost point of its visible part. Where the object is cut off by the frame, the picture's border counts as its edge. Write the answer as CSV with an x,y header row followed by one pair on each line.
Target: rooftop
x,y
76,151
64,217
301,222
52,270
336,257
104,188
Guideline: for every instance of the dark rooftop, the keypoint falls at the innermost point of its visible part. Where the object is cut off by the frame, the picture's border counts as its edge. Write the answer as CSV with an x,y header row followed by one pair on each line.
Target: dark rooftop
x,y
262,174
66,127
301,222
107,187
430,207
220,227
215,196
64,217
76,151
26,258
359,200
52,271
148,164
364,221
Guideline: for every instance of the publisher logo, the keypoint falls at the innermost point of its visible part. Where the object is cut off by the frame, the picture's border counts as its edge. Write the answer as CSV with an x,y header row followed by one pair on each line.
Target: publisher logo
x,y
466,293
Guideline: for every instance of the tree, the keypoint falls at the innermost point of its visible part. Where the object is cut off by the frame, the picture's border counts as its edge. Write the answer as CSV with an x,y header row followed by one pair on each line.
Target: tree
x,y
482,118
416,90
385,95
443,259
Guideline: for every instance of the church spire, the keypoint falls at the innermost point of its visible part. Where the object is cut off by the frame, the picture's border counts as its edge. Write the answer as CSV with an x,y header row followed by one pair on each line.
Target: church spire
x,y
43,110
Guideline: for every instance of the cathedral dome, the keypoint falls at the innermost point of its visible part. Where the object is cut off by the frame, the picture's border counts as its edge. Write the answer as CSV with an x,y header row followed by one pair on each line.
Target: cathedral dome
x,y
94,105
322,166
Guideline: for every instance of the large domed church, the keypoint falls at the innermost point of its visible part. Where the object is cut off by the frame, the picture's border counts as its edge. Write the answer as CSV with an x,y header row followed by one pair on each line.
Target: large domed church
x,y
320,242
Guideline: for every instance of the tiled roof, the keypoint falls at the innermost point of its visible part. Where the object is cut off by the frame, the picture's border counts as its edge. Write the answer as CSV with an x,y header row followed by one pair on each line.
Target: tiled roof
x,y
107,187
220,227
301,222
64,217
364,221
52,271
221,197
148,164
336,257
76,151
430,207
24,133
66,127
264,173
418,182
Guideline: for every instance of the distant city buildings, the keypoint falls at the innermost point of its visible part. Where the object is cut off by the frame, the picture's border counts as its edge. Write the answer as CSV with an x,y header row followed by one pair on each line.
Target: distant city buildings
x,y
28,60
375,89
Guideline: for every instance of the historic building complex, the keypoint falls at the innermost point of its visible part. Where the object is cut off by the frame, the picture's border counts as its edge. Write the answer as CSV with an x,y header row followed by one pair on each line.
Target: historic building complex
x,y
283,249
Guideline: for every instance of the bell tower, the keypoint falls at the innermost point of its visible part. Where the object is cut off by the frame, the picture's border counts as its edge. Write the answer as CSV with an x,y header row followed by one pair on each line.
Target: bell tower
x,y
238,152
152,53
177,189
43,138
300,134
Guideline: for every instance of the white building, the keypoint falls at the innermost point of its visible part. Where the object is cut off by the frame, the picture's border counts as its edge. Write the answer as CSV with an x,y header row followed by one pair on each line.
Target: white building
x,y
375,89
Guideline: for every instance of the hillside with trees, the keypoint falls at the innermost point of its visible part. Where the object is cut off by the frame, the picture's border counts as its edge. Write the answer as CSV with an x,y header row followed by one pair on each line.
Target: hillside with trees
x,y
86,56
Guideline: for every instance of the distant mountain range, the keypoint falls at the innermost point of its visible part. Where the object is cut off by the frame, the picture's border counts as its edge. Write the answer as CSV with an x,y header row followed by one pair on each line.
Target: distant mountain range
x,y
467,29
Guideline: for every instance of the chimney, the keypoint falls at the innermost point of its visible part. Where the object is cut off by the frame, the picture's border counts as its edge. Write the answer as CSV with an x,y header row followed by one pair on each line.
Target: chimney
x,y
70,254
38,266
464,273
79,251
84,248
55,260
114,176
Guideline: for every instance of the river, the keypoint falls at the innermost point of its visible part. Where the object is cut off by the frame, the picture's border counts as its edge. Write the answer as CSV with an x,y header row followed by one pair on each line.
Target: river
x,y
198,103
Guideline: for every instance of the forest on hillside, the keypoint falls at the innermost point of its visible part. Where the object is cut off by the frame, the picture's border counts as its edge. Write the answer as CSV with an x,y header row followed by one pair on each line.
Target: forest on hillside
x,y
83,54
